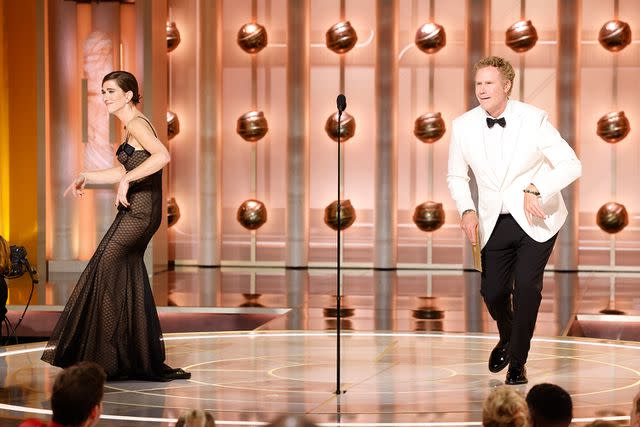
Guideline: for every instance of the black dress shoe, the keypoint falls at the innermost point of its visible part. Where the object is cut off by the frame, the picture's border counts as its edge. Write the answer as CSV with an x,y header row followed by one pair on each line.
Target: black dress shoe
x,y
499,358
516,375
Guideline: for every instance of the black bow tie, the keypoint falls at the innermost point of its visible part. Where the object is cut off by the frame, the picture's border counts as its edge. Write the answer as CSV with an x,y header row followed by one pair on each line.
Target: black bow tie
x,y
501,121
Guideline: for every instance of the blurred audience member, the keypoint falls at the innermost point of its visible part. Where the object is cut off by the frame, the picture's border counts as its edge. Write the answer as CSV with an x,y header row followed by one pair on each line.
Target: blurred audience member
x,y
635,412
603,423
505,407
550,406
196,418
76,398
292,421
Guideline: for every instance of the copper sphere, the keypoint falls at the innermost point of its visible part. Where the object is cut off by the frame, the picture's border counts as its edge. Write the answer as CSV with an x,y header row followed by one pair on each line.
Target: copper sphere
x,y
521,36
347,215
252,126
332,309
252,37
429,127
612,217
341,37
252,214
615,35
173,211
173,36
173,124
613,127
251,300
428,309
429,216
430,38
347,127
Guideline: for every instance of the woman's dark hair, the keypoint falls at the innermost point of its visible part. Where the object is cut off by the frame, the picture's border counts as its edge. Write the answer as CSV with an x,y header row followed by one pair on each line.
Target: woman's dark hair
x,y
126,81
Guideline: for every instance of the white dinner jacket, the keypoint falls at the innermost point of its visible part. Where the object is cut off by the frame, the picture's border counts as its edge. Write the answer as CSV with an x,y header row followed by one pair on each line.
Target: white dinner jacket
x,y
535,153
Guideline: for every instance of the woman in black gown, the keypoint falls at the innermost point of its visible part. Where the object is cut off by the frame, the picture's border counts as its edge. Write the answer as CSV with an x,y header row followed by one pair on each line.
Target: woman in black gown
x,y
111,318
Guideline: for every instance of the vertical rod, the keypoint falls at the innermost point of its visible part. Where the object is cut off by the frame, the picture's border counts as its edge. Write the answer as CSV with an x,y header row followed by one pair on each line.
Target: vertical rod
x,y
254,146
432,77
338,271
64,123
386,147
339,247
265,143
414,112
567,97
613,148
209,117
297,215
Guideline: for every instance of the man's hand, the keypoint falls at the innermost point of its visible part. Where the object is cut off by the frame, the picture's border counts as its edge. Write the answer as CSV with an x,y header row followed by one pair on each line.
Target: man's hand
x,y
469,224
532,206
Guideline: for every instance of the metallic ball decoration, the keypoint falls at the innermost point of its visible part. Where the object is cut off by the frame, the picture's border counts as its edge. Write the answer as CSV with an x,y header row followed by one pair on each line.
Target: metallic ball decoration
x,y
613,127
173,211
252,37
615,35
252,214
347,215
429,216
347,126
251,300
173,36
252,126
428,309
521,36
332,309
612,311
341,37
430,38
173,124
429,127
612,217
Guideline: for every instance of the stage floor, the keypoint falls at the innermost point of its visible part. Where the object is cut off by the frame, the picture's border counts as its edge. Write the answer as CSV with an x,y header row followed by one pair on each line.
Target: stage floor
x,y
388,378
414,349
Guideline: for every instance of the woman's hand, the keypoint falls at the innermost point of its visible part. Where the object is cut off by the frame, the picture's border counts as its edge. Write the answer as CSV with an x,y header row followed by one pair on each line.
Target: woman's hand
x,y
123,188
77,186
532,206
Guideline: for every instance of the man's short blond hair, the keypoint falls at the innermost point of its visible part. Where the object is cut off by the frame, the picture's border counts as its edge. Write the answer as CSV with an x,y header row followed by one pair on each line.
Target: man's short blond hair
x,y
505,407
503,66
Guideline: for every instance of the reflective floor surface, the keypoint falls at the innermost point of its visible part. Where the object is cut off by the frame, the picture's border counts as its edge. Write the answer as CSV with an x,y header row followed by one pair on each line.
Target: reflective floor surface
x,y
414,350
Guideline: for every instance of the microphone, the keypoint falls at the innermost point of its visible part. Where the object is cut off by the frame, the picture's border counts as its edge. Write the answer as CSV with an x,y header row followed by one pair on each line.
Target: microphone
x,y
342,103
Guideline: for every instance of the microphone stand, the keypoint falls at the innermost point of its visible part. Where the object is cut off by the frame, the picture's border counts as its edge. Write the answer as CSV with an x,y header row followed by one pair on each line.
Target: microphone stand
x,y
338,288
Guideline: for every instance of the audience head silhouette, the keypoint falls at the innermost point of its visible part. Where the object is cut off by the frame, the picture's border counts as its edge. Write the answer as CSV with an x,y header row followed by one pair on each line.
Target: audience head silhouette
x,y
196,418
292,421
505,407
549,405
76,398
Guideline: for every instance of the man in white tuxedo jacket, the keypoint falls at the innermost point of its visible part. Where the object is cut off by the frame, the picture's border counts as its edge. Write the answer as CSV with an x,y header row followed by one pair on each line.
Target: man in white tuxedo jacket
x,y
520,163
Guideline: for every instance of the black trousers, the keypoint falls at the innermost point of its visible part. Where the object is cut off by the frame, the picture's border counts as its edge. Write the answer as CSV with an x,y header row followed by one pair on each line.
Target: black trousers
x,y
512,269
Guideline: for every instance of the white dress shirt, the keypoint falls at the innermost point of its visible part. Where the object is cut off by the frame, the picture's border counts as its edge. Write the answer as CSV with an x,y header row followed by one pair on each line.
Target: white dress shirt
x,y
495,148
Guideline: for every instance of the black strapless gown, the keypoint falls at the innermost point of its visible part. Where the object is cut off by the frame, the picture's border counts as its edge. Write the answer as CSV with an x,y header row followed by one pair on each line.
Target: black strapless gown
x,y
111,318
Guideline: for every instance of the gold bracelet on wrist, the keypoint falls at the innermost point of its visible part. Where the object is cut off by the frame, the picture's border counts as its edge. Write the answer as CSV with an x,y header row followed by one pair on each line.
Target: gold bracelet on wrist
x,y
535,193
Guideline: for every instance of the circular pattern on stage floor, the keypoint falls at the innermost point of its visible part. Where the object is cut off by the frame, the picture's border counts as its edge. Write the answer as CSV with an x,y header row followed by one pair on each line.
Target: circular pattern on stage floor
x,y
387,378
